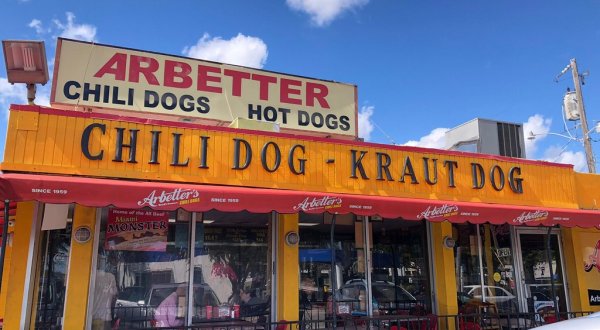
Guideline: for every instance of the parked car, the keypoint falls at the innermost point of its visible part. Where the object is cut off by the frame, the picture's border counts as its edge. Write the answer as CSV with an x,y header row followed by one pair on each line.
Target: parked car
x,y
589,322
504,300
134,312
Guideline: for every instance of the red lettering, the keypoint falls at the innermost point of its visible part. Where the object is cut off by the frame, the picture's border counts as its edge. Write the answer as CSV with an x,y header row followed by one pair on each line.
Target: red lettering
x,y
236,80
135,68
264,82
119,61
286,89
317,92
177,71
204,78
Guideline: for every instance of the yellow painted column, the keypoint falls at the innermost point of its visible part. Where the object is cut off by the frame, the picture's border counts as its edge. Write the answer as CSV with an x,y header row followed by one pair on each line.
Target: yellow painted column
x,y
26,228
288,270
80,270
6,271
443,272
573,259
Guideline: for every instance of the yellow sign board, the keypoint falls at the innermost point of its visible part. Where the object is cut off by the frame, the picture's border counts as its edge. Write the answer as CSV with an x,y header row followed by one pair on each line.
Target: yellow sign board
x,y
68,142
101,76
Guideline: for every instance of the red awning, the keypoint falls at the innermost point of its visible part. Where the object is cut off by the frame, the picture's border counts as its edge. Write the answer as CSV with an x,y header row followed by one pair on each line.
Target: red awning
x,y
199,198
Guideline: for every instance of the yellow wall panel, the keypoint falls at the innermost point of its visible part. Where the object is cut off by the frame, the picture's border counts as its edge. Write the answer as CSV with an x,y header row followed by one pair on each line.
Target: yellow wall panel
x,y
54,146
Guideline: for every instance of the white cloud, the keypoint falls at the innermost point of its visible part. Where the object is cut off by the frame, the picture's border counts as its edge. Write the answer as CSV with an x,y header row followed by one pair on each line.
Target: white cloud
x,y
71,30
17,94
11,94
539,126
557,154
37,25
365,124
323,12
435,139
240,50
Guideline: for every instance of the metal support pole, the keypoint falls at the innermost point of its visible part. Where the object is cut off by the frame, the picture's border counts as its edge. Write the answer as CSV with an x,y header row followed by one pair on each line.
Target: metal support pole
x,y
589,154
333,272
4,236
552,286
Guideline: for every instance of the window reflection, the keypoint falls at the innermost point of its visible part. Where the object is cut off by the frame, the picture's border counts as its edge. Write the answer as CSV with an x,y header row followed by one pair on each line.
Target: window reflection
x,y
144,262
400,278
484,267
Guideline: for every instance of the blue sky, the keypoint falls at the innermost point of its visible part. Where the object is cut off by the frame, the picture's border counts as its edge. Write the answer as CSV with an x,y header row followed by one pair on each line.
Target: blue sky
x,y
420,66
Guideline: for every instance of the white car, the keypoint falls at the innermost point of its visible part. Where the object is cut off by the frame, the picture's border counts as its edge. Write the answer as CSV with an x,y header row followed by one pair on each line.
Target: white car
x,y
589,322
494,294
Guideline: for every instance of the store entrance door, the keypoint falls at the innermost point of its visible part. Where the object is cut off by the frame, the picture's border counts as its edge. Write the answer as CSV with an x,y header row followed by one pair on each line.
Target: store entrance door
x,y
535,273
48,308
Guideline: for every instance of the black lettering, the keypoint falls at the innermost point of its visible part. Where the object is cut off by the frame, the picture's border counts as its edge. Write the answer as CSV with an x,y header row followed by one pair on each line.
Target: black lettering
x,y
493,171
478,176
344,123
284,112
203,106
67,90
85,141
357,164
176,146
331,121
317,120
303,118
186,103
383,163
151,99
168,101
106,94
515,183
263,156
301,161
426,169
87,91
408,169
154,147
120,145
236,154
254,112
451,165
203,149
270,114
115,96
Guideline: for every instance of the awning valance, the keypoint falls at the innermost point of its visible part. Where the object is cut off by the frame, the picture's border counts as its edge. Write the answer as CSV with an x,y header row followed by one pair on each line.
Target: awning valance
x,y
199,198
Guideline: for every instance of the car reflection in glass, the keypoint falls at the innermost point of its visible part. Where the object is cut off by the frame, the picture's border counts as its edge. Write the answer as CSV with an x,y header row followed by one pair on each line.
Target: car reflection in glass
x,y
388,298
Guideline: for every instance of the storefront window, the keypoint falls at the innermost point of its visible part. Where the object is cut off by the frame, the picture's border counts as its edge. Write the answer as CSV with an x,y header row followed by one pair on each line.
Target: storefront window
x,y
485,270
318,284
232,267
400,277
143,270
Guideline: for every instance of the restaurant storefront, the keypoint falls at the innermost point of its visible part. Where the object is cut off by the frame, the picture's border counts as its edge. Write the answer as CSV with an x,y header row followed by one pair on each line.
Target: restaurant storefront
x,y
125,221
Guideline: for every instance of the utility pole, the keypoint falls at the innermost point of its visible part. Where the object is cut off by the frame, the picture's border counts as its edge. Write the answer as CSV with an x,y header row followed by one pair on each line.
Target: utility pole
x,y
589,154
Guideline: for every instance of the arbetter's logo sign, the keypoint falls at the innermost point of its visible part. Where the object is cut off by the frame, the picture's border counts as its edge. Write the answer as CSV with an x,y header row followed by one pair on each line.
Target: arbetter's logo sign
x,y
325,202
168,198
538,215
445,210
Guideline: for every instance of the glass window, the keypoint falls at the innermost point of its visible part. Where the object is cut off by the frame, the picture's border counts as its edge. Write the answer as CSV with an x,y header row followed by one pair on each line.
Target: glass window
x,y
400,277
318,284
232,267
142,269
484,260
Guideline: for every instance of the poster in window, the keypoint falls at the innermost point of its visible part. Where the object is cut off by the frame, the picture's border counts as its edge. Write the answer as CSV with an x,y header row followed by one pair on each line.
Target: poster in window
x,y
136,230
